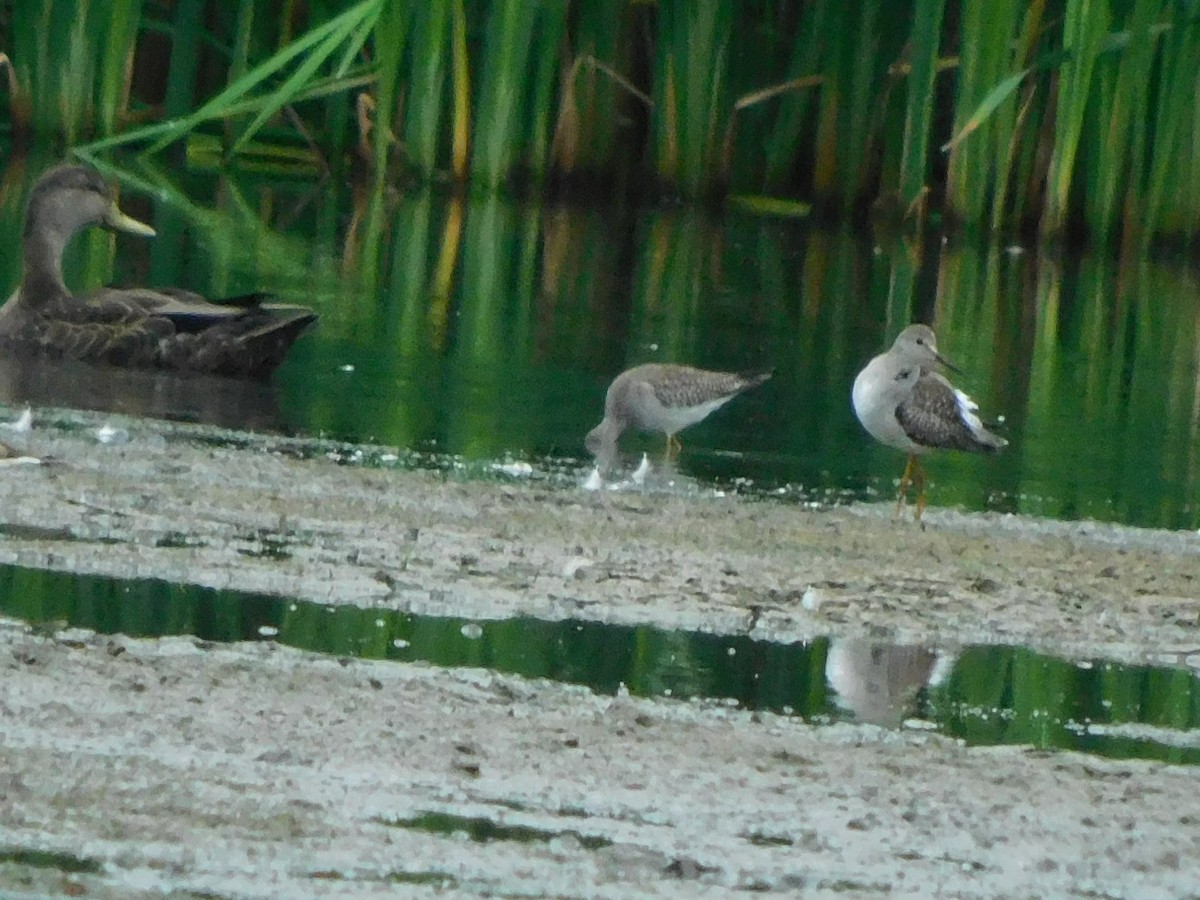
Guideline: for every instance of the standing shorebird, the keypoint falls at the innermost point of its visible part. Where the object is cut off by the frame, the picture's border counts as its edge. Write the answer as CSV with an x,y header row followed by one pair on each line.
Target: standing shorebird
x,y
666,398
902,401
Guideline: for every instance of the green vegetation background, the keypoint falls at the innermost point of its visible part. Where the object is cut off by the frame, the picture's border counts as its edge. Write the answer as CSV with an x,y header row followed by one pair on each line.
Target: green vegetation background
x,y
1055,116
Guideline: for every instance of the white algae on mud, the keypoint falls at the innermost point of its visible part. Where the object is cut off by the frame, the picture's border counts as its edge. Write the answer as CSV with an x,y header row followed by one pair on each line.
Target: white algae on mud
x,y
151,766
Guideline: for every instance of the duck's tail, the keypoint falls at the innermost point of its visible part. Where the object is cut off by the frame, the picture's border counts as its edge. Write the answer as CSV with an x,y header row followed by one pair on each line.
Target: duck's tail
x,y
269,332
250,345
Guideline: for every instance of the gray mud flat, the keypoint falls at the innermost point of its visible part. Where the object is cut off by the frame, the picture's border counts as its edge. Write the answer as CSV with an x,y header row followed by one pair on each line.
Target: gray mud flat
x,y
139,767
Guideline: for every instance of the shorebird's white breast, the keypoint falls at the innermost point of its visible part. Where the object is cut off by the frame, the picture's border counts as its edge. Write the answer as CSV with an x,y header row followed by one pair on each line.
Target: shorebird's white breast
x,y
875,397
672,419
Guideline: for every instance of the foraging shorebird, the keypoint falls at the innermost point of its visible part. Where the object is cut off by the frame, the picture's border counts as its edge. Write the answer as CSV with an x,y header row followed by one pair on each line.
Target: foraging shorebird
x,y
663,397
902,401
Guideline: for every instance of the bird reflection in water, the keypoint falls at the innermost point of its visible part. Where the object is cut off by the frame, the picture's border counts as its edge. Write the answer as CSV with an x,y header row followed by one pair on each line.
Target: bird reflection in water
x,y
880,683
206,399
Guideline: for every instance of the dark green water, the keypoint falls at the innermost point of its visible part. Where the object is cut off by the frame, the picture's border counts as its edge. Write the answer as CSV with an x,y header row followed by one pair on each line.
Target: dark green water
x,y
478,330
982,694
484,329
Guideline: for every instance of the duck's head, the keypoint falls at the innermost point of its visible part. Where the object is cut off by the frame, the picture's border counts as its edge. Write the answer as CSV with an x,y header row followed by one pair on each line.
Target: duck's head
x,y
71,197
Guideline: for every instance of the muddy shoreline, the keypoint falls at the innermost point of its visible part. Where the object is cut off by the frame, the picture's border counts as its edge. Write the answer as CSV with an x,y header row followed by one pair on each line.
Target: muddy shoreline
x,y
254,770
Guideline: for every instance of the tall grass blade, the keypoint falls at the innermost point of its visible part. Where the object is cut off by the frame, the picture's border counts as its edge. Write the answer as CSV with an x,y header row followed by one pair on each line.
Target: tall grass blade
x,y
1169,174
349,34
461,138
396,18
784,141
313,50
996,58
925,43
991,102
692,96
1121,122
70,65
586,128
116,62
1085,26
543,86
1011,162
186,38
503,104
431,54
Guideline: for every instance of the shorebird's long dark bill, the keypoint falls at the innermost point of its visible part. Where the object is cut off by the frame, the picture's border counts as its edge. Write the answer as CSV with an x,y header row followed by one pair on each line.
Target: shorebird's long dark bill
x,y
945,362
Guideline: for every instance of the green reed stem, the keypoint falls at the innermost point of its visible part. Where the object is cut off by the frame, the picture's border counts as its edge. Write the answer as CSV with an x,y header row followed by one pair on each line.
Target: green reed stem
x,y
1084,28
925,42
431,54
391,38
692,98
987,35
502,103
1170,175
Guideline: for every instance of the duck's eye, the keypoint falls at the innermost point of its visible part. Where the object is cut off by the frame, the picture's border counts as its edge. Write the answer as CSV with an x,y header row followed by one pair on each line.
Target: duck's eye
x,y
903,374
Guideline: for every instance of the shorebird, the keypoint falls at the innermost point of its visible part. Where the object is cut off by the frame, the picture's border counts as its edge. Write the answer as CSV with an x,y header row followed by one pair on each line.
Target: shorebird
x,y
902,401
663,397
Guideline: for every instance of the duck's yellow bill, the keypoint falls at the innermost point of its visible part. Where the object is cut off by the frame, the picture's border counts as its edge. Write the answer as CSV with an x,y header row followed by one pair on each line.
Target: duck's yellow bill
x,y
118,221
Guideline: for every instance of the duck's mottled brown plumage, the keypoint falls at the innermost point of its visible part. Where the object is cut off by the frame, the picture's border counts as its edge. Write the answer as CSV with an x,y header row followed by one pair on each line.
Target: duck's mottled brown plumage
x,y
132,327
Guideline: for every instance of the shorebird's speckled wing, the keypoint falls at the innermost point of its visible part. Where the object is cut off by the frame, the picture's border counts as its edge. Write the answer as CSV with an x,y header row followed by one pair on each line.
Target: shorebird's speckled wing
x,y
678,386
937,415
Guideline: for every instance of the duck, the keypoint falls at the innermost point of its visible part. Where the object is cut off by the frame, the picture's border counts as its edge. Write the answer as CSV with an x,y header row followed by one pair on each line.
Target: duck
x,y
152,328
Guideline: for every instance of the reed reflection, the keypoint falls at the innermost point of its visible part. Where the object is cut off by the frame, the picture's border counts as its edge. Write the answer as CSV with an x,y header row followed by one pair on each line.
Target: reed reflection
x,y
982,694
487,328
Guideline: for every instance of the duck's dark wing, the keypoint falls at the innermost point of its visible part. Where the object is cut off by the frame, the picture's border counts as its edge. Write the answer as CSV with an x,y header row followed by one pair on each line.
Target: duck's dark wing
x,y
110,332
178,302
175,305
938,415
173,329
252,344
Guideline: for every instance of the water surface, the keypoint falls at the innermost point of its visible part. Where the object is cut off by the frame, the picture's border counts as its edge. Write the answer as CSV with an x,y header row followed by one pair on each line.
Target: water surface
x,y
476,331
489,329
982,694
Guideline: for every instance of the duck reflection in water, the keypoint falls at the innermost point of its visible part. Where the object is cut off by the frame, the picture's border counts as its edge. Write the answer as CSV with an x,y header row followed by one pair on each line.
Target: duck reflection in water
x,y
226,402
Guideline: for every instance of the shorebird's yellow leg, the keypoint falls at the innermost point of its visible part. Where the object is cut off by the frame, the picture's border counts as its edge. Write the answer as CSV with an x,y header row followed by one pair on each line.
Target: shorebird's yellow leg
x,y
905,481
674,446
919,481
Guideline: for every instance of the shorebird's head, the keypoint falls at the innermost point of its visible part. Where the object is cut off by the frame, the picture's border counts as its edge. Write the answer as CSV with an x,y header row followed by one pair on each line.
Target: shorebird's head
x,y
601,442
919,344
68,198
